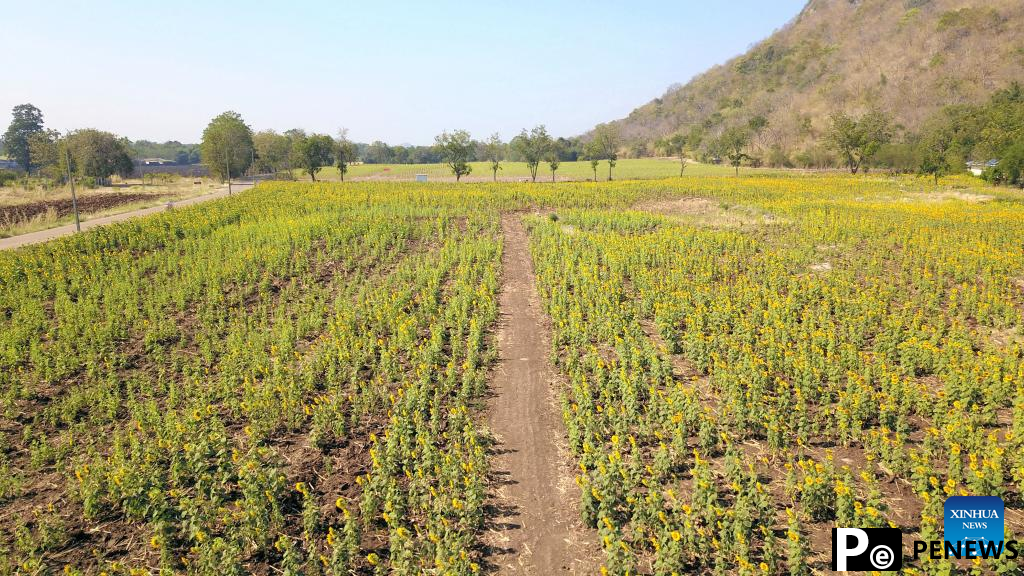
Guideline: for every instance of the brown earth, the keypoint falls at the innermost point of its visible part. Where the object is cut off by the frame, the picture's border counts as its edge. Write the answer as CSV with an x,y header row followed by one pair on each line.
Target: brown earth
x,y
535,522
62,206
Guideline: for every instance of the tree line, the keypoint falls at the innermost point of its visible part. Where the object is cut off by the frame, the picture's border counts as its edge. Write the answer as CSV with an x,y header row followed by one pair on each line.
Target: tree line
x,y
230,148
89,153
992,132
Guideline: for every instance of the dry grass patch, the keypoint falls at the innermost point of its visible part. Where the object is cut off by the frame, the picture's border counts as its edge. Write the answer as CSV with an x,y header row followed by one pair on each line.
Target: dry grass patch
x,y
710,213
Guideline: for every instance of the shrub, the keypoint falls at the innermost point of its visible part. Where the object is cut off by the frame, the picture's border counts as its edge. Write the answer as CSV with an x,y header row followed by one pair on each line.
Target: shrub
x,y
7,176
1010,169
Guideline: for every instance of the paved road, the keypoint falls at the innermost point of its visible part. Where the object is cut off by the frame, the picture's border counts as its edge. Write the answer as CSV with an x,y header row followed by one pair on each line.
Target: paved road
x,y
68,229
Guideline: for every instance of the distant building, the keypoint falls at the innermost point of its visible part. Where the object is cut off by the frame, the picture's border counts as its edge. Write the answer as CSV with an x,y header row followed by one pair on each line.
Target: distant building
x,y
157,162
978,168
10,165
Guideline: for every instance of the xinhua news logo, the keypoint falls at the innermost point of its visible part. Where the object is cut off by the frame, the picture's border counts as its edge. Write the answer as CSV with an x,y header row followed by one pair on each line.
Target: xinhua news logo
x,y
867,549
973,527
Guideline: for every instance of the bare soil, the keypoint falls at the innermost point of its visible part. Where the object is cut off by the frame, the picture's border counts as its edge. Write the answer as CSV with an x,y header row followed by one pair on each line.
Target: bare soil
x,y
62,206
535,522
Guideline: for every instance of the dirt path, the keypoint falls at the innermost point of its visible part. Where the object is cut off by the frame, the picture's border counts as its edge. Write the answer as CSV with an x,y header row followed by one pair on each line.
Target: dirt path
x,y
536,527
12,242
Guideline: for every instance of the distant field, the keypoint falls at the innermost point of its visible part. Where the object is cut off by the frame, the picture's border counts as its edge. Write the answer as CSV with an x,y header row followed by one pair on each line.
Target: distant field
x,y
632,169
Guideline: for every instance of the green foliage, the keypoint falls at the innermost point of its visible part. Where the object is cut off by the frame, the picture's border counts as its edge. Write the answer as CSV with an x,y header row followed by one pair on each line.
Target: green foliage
x,y
761,59
961,133
1010,168
227,146
976,18
7,176
606,144
273,151
857,140
97,154
532,147
47,154
494,153
554,157
733,143
311,153
345,152
675,145
171,150
456,148
26,120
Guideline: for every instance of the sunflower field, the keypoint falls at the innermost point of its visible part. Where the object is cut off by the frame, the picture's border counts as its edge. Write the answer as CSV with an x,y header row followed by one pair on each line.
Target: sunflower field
x,y
291,380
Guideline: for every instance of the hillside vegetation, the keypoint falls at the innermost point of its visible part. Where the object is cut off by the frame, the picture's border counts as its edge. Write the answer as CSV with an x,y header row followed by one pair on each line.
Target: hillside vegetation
x,y
906,58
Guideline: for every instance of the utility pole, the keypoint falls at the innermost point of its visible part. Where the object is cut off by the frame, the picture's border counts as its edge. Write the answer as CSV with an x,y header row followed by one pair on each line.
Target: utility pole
x,y
71,180
227,167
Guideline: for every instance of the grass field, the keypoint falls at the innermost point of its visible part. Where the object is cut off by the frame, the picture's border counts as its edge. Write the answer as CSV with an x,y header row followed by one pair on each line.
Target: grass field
x,y
628,169
308,378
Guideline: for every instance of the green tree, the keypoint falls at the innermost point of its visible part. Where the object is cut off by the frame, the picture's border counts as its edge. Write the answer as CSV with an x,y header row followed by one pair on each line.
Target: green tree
x,y
46,153
379,153
675,145
531,147
345,152
227,146
733,143
456,148
858,140
97,154
606,139
934,149
273,151
554,158
592,152
313,152
494,152
694,138
26,120
1010,169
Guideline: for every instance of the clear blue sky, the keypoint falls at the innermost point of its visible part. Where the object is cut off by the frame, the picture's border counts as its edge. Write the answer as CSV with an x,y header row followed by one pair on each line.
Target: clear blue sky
x,y
395,71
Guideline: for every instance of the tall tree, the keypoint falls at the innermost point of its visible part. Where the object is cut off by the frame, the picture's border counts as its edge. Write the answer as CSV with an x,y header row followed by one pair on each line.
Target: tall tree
x,y
47,153
733,142
531,147
26,120
98,154
554,158
858,140
272,151
1010,169
379,153
313,152
606,137
456,148
494,152
344,152
592,152
675,145
227,146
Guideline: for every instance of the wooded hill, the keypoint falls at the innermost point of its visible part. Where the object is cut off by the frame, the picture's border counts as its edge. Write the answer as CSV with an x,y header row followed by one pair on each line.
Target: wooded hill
x,y
905,58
